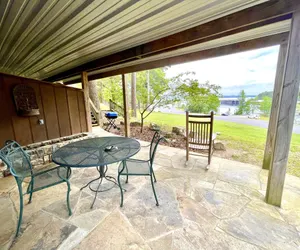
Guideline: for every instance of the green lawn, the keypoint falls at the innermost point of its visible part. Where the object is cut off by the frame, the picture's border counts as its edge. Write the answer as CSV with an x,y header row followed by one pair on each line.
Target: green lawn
x,y
247,142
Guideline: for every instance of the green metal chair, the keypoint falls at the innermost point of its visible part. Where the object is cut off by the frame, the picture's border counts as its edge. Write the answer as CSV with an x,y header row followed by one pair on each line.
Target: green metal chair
x,y
140,167
18,162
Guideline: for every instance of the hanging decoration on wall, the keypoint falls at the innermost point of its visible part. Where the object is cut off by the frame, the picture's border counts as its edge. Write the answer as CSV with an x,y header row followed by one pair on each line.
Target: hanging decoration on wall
x,y
25,100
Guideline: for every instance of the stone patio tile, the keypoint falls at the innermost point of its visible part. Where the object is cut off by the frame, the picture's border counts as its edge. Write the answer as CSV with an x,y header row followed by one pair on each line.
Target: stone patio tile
x,y
60,209
262,206
197,174
226,187
43,231
163,161
262,230
114,233
164,174
7,184
144,215
8,222
43,199
239,190
290,200
89,220
224,205
291,216
192,237
242,174
193,211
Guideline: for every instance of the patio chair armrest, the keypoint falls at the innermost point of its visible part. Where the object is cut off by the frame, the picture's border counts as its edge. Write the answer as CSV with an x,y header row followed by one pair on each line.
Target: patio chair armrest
x,y
136,160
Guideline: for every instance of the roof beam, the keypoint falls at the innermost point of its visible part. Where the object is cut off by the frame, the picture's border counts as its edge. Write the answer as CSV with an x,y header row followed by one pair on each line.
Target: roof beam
x,y
200,55
259,15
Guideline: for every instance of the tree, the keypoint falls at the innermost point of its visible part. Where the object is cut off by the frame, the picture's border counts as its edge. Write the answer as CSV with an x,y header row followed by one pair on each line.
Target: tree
x,y
112,89
198,98
244,106
252,105
152,89
263,94
133,94
265,105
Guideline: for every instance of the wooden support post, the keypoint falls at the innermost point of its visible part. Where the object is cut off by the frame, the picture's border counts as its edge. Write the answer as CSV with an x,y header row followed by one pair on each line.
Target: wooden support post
x,y
187,134
125,103
287,102
85,87
275,107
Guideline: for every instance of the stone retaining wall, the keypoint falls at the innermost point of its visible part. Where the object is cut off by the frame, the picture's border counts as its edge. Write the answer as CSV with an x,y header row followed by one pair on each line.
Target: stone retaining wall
x,y
41,152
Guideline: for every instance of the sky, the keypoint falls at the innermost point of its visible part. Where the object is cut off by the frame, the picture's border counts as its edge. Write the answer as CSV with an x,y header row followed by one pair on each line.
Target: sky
x,y
254,71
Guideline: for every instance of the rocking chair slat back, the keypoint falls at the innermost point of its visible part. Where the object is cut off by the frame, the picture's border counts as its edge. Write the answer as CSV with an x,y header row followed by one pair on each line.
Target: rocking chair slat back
x,y
199,132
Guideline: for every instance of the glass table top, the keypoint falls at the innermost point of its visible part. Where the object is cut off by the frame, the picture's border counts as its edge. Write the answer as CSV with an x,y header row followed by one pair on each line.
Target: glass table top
x,y
96,151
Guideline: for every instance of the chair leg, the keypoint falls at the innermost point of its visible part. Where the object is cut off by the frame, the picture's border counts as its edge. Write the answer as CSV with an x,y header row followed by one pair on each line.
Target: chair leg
x,y
31,190
126,172
21,207
121,189
154,176
68,198
157,204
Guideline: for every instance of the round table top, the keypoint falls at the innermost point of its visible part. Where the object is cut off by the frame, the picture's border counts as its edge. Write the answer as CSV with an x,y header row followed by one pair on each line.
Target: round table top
x,y
95,152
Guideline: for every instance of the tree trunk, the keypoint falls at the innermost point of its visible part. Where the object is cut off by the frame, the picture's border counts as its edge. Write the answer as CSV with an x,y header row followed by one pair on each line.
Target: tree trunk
x,y
93,90
133,94
148,87
142,122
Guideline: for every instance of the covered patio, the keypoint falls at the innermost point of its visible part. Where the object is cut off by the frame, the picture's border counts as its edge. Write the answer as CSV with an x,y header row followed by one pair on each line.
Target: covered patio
x,y
46,46
222,208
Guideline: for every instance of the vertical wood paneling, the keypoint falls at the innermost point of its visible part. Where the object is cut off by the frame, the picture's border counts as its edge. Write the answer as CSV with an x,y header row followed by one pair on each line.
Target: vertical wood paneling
x,y
50,112
81,106
55,103
39,132
21,125
63,111
73,110
6,128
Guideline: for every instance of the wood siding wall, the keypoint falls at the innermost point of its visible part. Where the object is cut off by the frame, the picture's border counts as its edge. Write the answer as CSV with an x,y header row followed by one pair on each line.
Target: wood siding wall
x,y
61,108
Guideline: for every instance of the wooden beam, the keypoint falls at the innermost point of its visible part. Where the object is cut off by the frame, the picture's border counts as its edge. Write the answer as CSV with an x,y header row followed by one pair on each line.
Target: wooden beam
x,y
253,17
200,55
275,108
287,102
85,87
125,103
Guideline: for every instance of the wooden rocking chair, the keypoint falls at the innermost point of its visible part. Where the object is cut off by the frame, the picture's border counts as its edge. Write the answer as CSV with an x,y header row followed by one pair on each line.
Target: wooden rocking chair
x,y
199,134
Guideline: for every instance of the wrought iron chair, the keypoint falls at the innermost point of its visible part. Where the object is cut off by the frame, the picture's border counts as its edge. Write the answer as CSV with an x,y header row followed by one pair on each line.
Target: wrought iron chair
x,y
141,167
18,162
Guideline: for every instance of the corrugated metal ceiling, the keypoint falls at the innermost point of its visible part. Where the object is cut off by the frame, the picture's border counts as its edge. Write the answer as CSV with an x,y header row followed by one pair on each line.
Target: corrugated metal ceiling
x,y
41,38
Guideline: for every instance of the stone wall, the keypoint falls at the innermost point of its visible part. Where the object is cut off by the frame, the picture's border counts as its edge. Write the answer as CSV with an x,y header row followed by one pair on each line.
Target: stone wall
x,y
41,152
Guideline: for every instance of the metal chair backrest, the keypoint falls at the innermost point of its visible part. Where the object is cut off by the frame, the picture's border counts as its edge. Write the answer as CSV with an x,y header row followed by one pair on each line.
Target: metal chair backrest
x,y
199,128
16,159
153,146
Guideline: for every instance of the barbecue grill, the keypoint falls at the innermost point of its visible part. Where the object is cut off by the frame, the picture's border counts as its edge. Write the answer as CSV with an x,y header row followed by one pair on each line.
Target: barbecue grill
x,y
111,118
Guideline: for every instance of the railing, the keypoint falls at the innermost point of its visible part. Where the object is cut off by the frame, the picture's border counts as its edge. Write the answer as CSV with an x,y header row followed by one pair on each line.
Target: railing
x,y
116,107
95,111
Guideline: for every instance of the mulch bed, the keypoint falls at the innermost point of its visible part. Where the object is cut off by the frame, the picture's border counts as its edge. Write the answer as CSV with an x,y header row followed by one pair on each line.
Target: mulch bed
x,y
177,141
135,132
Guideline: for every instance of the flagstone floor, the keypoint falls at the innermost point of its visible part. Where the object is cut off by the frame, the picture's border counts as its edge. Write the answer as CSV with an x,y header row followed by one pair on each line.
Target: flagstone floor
x,y
221,208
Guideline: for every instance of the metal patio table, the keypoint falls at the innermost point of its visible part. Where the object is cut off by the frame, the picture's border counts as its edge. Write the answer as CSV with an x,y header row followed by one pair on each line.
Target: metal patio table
x,y
97,152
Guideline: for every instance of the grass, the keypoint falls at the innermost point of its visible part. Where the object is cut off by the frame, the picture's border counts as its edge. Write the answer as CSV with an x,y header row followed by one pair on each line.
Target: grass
x,y
247,142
